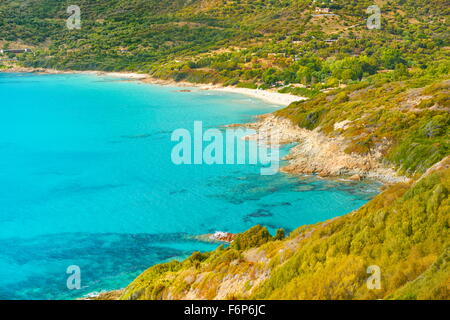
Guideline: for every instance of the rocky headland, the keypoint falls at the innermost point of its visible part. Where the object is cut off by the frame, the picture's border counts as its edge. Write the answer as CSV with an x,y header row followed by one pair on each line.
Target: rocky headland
x,y
317,153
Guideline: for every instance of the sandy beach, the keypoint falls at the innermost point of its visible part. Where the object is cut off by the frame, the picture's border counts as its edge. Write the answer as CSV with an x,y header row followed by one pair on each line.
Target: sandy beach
x,y
272,97
269,96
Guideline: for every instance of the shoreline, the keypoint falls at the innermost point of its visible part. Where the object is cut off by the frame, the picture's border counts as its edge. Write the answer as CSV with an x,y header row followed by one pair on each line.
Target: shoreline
x,y
268,96
318,154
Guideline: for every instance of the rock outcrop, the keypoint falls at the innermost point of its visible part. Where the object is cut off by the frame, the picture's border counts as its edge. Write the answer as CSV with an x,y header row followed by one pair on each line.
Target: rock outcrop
x,y
316,153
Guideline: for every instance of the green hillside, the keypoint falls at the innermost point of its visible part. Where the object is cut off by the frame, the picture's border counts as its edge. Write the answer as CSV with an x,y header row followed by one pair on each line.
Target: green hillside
x,y
250,43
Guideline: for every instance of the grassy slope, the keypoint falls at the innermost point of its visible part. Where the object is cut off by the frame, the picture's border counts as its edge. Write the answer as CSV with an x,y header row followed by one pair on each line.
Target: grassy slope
x,y
405,231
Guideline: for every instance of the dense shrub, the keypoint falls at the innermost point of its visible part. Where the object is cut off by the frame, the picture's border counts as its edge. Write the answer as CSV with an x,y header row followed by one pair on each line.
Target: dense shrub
x,y
254,237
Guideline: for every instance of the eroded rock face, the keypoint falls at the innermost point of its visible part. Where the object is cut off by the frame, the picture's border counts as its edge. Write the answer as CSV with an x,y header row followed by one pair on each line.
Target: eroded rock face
x,y
319,154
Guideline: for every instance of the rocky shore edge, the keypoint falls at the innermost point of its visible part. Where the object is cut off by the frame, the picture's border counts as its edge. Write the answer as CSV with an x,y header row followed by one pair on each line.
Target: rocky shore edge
x,y
321,155
315,153
218,236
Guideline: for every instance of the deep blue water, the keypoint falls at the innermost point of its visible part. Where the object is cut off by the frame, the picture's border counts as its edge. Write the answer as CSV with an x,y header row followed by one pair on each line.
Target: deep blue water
x,y
86,179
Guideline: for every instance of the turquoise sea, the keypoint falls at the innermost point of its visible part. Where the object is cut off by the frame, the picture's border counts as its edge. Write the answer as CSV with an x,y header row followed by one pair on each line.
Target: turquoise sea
x,y
86,179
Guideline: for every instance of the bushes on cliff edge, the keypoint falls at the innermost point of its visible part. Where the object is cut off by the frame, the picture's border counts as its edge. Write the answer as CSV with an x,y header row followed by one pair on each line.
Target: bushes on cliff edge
x,y
255,237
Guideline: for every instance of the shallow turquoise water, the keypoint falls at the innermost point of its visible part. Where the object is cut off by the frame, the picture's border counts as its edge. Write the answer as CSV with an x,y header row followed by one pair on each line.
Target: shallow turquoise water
x,y
87,179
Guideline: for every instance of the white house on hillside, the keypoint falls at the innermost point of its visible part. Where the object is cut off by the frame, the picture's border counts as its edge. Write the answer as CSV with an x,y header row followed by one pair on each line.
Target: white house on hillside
x,y
323,10
2,51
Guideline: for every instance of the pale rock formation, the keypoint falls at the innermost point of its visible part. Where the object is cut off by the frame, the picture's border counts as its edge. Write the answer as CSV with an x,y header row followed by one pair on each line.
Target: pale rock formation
x,y
319,154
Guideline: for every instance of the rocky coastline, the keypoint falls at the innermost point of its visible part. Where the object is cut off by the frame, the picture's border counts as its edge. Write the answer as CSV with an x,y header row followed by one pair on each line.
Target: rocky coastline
x,y
316,153
218,236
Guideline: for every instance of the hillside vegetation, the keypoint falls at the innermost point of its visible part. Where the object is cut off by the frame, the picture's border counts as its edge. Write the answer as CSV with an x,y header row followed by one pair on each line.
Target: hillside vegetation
x,y
407,119
247,43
